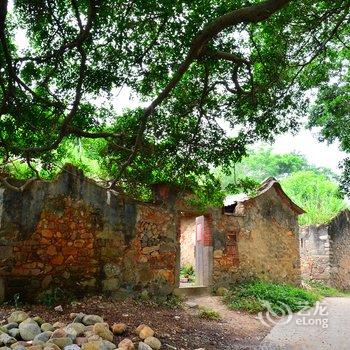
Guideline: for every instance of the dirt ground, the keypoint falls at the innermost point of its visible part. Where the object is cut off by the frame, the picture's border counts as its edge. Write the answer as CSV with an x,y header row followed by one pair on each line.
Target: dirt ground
x,y
176,328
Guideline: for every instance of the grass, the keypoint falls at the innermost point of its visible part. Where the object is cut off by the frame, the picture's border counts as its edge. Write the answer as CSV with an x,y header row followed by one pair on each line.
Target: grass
x,y
208,314
256,296
324,290
170,301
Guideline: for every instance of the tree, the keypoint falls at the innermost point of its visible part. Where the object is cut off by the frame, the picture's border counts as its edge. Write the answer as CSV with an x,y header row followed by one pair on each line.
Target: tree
x,y
332,113
263,163
316,194
196,63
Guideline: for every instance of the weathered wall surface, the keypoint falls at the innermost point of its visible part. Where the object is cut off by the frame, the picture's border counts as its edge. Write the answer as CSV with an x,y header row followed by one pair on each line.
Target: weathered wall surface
x,y
315,252
339,233
74,234
188,241
325,251
259,240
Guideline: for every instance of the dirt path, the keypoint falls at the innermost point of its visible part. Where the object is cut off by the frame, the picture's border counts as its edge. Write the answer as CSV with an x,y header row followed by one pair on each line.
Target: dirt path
x,y
250,330
324,327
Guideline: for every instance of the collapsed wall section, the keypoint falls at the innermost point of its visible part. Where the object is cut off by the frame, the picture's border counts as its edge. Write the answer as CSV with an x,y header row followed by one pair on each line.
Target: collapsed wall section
x,y
74,234
339,233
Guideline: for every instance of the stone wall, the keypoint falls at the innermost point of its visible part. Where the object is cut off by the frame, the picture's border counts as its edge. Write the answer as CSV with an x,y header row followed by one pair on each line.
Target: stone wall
x,y
315,252
74,234
325,251
339,233
188,241
258,240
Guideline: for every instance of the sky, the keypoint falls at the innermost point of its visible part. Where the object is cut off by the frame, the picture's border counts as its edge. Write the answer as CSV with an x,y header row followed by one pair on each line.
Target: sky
x,y
318,153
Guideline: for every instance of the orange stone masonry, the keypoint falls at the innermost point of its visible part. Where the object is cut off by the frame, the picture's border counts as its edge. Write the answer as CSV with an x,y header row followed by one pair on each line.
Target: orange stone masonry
x,y
73,234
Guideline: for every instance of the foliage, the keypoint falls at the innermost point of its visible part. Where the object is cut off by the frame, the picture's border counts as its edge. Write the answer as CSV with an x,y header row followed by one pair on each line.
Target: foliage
x,y
55,296
208,314
323,289
316,194
331,113
244,185
251,296
188,272
249,69
262,163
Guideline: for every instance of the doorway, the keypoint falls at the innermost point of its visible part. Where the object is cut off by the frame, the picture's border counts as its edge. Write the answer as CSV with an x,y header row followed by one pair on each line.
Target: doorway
x,y
196,252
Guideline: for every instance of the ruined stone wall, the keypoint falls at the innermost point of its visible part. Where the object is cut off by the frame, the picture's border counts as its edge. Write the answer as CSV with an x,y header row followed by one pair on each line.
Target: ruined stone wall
x,y
339,233
73,234
315,252
259,240
187,241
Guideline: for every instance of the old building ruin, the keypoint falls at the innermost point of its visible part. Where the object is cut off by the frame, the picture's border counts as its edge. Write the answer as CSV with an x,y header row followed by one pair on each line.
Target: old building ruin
x,y
75,234
325,251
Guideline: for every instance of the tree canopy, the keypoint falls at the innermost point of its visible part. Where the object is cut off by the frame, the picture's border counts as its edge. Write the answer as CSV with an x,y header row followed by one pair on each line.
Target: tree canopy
x,y
196,64
316,190
316,194
263,163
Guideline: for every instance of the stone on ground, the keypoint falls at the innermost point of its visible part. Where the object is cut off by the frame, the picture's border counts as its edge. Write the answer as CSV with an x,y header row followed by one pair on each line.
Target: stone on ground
x,y
109,345
14,332
144,346
44,337
78,317
28,329
18,317
72,347
153,342
119,328
61,342
89,320
10,325
38,320
146,332
5,339
81,340
52,346
46,327
59,333
79,328
94,345
57,325
126,344
103,331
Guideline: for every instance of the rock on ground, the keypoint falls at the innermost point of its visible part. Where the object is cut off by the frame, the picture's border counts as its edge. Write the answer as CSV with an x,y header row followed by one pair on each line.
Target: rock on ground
x,y
28,329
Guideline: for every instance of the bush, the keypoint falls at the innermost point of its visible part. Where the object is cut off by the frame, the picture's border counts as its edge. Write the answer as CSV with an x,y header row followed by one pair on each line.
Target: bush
x,y
208,314
188,272
324,290
256,296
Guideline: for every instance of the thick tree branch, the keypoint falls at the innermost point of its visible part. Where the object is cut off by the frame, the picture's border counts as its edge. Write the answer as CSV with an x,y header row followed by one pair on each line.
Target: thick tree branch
x,y
220,55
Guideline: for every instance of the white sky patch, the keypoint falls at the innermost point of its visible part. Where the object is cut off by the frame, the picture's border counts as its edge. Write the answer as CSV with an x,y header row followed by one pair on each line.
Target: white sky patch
x,y
306,142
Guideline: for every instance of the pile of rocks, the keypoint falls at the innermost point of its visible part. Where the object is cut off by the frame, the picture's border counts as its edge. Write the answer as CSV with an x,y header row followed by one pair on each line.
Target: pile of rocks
x,y
85,332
